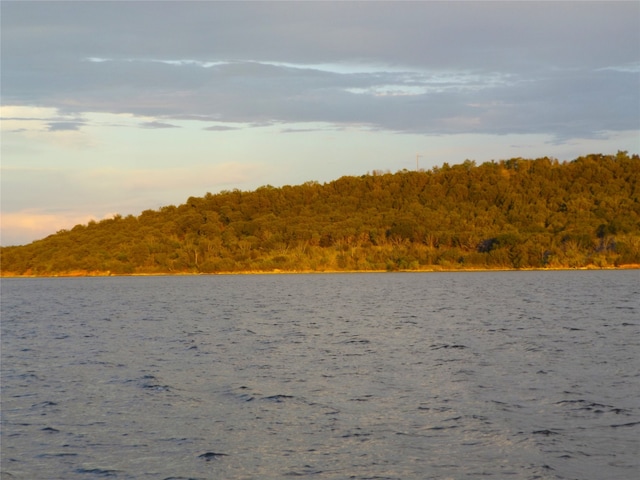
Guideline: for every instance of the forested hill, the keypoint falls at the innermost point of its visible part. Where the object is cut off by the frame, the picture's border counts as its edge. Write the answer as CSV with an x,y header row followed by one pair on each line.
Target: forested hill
x,y
509,214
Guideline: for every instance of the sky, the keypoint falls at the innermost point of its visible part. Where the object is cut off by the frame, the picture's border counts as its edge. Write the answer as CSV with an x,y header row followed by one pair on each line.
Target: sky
x,y
117,107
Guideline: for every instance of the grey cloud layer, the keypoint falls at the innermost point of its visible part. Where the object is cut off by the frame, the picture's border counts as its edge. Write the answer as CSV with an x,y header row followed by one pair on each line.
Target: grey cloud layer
x,y
566,69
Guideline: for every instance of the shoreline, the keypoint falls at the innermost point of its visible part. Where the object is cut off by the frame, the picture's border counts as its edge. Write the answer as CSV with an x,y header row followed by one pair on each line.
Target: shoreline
x,y
84,274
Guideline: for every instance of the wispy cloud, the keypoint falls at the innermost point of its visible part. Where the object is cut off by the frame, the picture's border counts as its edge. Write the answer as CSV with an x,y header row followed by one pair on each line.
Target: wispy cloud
x,y
158,125
64,126
219,128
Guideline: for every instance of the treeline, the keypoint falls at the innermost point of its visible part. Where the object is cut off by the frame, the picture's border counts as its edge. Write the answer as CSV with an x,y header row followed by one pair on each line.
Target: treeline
x,y
513,213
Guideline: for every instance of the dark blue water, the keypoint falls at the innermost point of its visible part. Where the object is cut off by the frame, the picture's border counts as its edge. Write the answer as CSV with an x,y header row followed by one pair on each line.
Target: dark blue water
x,y
517,375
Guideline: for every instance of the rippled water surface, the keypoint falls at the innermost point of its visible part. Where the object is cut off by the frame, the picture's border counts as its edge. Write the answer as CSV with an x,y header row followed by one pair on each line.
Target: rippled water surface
x,y
390,376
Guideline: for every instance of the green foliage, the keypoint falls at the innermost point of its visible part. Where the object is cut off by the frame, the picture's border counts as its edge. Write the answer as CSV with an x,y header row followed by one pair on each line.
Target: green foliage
x,y
513,213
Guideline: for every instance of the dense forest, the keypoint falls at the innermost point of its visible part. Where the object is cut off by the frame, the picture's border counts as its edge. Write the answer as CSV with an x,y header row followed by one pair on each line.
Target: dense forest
x,y
507,214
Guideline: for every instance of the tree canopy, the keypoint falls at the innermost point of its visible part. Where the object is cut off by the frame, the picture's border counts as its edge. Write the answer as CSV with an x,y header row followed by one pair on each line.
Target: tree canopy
x,y
515,213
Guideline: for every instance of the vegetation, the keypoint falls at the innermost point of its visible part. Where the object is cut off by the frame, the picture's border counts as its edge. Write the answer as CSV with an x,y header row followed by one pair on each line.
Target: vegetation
x,y
513,213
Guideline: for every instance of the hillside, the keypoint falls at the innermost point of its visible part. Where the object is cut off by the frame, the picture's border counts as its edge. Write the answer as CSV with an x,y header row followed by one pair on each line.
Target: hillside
x,y
513,213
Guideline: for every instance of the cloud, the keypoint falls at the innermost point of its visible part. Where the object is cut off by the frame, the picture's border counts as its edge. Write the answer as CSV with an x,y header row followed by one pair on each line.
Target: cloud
x,y
26,118
426,67
219,128
300,130
63,126
157,125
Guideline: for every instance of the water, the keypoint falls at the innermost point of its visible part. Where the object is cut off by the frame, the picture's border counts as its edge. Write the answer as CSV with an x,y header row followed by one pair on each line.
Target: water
x,y
517,375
